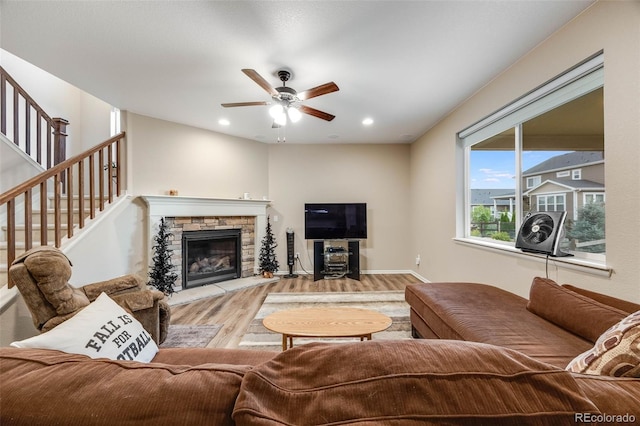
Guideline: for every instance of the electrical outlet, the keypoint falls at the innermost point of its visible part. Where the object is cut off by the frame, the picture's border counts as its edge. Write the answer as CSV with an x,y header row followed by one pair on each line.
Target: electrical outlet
x,y
297,256
418,260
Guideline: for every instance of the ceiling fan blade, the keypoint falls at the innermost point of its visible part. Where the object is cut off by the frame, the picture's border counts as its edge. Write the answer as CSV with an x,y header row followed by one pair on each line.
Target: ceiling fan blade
x,y
316,113
318,91
240,104
253,75
275,125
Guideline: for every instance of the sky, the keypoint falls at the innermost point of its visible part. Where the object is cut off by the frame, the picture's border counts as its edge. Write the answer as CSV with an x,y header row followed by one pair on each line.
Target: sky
x,y
496,169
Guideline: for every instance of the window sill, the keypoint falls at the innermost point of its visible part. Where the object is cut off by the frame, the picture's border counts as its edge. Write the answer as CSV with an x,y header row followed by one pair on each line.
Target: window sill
x,y
582,265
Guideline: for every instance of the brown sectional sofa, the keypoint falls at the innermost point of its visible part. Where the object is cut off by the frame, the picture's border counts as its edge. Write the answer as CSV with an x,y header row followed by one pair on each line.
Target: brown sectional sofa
x,y
411,382
495,379
555,325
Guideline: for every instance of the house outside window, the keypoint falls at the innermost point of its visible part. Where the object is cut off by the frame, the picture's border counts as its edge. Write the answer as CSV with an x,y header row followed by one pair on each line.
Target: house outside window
x,y
545,152
551,203
593,198
533,181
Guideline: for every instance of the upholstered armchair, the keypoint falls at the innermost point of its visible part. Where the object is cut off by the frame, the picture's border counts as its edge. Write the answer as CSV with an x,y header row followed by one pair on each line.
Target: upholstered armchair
x,y
42,274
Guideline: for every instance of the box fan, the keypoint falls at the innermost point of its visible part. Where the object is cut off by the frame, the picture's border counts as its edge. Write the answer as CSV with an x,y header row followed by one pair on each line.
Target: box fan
x,y
541,232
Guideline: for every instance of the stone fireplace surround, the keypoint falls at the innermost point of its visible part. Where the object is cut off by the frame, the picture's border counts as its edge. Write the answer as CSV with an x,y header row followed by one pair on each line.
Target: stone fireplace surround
x,y
192,213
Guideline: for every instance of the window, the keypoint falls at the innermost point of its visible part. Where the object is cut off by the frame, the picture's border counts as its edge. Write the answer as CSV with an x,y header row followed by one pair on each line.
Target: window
x,y
519,152
593,198
115,121
533,181
551,203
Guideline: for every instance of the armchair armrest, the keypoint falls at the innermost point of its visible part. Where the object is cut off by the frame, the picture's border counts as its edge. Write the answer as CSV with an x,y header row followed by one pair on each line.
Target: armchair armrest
x,y
118,285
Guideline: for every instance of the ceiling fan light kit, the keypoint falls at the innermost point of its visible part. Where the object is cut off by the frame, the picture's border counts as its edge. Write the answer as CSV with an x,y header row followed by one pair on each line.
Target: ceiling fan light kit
x,y
288,103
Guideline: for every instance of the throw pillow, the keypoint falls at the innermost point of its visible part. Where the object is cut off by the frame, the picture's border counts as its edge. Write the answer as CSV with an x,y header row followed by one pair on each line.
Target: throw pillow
x,y
574,312
101,330
616,352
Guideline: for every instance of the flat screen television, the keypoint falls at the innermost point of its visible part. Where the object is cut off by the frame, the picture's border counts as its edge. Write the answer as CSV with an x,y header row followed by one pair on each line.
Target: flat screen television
x,y
335,221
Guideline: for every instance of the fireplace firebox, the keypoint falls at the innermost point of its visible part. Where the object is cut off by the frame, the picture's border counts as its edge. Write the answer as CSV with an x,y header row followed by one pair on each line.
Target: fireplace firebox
x,y
211,256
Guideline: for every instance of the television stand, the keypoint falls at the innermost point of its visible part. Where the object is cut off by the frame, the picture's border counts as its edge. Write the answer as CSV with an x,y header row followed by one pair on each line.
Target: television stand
x,y
336,259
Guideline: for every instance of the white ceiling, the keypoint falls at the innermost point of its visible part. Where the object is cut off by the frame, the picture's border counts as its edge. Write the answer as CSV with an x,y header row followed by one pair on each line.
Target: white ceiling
x,y
404,64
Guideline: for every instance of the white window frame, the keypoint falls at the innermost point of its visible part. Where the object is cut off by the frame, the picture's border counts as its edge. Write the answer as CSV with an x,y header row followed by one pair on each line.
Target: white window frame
x,y
554,198
576,174
565,173
533,181
594,195
576,82
115,121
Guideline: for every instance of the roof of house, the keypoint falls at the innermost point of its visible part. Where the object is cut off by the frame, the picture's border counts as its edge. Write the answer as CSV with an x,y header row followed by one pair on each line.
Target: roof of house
x,y
570,185
565,161
485,197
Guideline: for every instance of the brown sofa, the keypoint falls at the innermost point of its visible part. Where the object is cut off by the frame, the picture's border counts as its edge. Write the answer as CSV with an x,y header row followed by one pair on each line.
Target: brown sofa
x,y
409,382
555,325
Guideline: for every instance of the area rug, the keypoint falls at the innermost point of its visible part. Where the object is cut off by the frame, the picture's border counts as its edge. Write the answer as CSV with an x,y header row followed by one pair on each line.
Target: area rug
x,y
190,336
390,303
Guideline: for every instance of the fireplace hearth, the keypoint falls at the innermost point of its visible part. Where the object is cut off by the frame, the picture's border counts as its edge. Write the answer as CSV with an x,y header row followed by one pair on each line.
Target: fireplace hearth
x,y
211,256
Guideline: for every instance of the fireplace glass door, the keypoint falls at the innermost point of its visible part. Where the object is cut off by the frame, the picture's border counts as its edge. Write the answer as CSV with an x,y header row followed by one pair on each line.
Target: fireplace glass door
x,y
210,256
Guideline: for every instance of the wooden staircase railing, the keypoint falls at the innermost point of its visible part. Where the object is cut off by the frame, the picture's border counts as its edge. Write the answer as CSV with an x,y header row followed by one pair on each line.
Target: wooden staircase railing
x,y
94,174
46,146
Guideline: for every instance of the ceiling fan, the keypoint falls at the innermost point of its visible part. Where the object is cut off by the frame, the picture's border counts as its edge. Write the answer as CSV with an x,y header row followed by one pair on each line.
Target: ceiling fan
x,y
287,102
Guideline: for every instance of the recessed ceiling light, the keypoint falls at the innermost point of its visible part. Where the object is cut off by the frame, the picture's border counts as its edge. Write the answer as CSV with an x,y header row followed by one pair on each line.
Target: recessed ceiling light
x,y
223,122
333,136
367,121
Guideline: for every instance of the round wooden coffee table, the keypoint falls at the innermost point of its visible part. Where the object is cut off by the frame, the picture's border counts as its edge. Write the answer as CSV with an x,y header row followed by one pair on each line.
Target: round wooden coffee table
x,y
325,322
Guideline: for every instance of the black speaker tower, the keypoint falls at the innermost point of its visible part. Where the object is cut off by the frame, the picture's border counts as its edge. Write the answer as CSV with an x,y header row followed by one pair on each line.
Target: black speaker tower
x,y
290,254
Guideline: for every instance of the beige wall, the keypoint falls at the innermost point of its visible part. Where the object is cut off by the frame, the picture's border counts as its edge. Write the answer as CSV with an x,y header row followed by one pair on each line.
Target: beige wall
x,y
202,163
375,174
89,117
194,161
609,26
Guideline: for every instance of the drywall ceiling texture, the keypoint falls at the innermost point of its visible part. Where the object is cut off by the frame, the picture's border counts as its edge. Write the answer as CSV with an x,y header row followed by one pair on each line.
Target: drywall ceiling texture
x,y
609,26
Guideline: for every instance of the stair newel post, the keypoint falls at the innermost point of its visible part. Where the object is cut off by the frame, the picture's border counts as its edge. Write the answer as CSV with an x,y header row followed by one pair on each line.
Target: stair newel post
x,y
11,231
60,142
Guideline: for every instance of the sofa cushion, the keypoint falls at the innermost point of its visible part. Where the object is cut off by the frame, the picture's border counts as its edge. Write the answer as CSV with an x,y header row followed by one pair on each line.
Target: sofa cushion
x,y
623,305
101,330
574,312
197,356
483,313
407,382
45,387
616,353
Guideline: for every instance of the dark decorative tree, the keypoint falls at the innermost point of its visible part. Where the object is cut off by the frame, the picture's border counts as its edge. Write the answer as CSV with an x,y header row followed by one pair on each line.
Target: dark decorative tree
x,y
268,262
161,275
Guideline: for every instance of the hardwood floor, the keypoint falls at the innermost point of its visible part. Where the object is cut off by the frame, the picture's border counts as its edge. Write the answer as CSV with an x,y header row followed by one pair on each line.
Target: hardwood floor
x,y
236,310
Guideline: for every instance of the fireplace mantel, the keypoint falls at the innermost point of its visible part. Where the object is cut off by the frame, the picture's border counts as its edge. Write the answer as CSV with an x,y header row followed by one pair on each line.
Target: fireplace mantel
x,y
175,206
160,206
